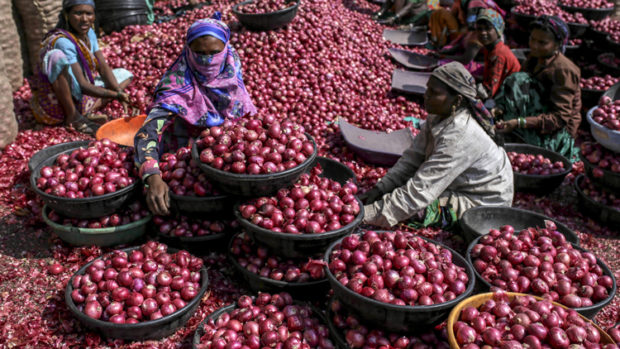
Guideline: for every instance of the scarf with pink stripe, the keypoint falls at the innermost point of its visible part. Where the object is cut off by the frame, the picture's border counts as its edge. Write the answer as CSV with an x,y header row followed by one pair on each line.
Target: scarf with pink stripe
x,y
205,90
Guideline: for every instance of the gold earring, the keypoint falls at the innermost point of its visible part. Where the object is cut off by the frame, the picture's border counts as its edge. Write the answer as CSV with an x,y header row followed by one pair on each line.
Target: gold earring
x,y
453,109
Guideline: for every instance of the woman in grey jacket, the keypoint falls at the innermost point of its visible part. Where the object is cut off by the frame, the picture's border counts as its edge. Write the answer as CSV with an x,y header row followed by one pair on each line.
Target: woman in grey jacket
x,y
455,163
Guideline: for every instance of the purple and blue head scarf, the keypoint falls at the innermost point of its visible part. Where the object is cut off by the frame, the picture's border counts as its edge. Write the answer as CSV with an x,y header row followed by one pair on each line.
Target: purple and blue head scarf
x,y
555,26
205,90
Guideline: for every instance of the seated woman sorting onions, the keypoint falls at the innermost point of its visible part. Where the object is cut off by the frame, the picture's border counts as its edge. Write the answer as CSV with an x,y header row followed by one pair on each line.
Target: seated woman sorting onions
x,y
202,88
454,163
541,105
73,80
406,12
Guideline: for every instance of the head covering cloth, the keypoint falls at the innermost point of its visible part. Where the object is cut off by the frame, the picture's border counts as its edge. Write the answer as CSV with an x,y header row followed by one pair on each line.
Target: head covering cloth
x,y
494,18
204,90
556,26
456,76
66,6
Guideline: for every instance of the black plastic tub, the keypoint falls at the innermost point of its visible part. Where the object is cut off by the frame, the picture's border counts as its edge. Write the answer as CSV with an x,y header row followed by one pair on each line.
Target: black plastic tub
x,y
590,98
53,151
613,46
610,179
229,308
297,245
333,169
596,210
253,185
477,221
198,204
84,208
591,14
613,70
266,21
155,329
315,289
588,312
596,35
199,244
523,20
577,29
613,92
103,237
394,317
538,184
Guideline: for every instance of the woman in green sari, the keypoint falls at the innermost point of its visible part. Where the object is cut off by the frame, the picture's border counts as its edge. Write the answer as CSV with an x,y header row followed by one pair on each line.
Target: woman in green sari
x,y
541,104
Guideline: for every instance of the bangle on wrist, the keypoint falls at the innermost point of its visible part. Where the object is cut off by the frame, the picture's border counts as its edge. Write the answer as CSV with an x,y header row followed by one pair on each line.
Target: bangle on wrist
x,y
521,122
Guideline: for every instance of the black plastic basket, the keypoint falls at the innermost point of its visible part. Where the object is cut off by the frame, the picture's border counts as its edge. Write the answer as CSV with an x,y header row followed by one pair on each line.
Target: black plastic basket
x,y
229,308
53,151
83,208
523,20
266,21
197,204
591,14
590,98
613,46
613,92
297,245
595,35
155,329
253,185
596,210
608,68
588,312
333,169
610,180
538,184
477,221
577,29
394,317
199,244
315,289
102,237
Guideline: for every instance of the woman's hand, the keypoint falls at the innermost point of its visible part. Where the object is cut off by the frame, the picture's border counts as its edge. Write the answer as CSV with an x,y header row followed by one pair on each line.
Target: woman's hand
x,y
157,198
122,97
506,126
370,196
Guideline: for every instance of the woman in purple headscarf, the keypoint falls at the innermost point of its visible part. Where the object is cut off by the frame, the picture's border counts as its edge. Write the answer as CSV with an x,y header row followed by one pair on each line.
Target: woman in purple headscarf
x,y
202,88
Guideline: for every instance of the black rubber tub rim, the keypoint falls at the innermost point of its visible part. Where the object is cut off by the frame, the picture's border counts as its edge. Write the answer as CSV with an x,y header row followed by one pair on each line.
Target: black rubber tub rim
x,y
92,231
278,283
568,167
235,9
593,308
145,324
300,237
414,308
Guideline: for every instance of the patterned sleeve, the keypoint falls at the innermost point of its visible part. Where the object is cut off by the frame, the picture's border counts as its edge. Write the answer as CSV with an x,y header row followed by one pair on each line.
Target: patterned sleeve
x,y
146,142
493,80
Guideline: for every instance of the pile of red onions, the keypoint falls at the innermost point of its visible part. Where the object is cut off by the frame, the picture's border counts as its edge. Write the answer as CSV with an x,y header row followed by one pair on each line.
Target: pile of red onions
x,y
257,260
145,284
257,145
398,268
184,226
357,335
608,25
530,164
269,321
607,113
600,195
266,6
183,175
601,158
524,322
597,4
132,213
540,262
313,205
551,8
599,83
100,169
